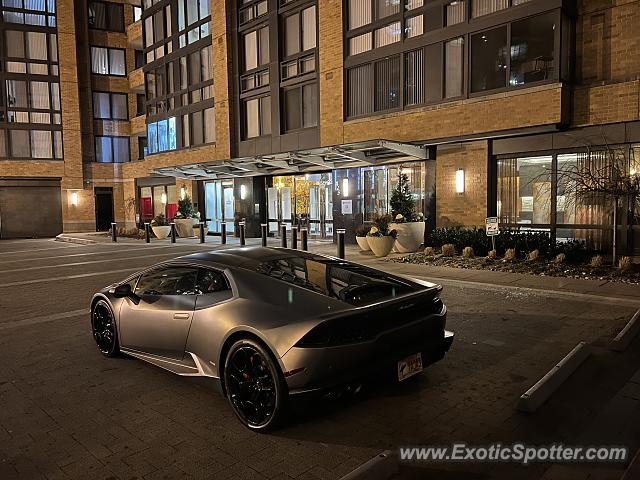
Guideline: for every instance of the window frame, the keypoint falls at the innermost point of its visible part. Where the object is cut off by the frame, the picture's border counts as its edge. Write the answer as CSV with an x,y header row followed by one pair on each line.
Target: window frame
x,y
108,50
112,147
108,27
111,104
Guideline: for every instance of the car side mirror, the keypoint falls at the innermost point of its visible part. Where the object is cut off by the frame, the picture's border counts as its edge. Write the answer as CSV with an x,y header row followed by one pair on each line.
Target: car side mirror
x,y
122,291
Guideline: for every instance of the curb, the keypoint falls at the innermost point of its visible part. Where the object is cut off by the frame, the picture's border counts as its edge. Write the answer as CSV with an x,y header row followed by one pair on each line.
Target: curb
x,y
381,467
627,334
79,241
553,379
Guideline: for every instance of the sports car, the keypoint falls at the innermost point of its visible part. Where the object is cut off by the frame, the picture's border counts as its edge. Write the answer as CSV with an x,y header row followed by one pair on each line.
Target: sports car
x,y
270,323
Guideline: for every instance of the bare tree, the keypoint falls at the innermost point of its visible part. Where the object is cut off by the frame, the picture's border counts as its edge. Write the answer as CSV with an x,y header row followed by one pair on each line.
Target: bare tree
x,y
604,175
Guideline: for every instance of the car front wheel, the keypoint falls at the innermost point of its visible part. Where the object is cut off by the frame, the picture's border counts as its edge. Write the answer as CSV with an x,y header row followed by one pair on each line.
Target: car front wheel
x,y
103,327
255,387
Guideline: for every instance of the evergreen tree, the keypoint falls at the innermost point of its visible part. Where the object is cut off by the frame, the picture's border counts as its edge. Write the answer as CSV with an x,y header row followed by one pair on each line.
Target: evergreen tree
x,y
402,199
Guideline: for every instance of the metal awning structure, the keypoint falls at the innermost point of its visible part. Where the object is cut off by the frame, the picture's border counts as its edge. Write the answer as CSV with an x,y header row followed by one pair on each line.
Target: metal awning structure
x,y
362,154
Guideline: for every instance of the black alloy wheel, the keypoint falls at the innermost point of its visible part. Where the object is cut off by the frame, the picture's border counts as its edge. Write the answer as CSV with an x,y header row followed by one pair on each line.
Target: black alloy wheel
x,y
255,387
103,326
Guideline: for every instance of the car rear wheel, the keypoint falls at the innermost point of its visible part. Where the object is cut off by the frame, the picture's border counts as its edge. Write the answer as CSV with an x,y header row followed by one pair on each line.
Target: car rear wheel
x,y
255,387
103,326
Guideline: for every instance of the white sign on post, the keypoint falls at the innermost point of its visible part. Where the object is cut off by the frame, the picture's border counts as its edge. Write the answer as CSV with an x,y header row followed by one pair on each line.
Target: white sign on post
x,y
347,207
492,227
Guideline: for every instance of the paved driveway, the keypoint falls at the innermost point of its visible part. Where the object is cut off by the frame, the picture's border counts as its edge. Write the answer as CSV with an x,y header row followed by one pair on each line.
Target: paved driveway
x,y
67,412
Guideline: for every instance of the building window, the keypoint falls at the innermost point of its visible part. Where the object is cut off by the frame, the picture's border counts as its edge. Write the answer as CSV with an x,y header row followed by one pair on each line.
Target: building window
x,y
300,31
108,61
387,84
485,7
257,117
255,49
301,107
106,16
142,147
455,12
112,149
454,68
252,11
489,52
29,12
110,106
414,78
193,21
161,135
532,49
360,101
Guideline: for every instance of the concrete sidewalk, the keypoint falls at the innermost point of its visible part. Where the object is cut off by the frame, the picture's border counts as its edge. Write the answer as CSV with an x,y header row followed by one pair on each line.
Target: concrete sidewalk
x,y
629,293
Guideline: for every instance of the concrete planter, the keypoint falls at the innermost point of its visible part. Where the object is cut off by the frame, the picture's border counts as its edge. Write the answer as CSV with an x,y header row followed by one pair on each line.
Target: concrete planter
x,y
184,227
410,236
381,246
196,230
363,244
161,232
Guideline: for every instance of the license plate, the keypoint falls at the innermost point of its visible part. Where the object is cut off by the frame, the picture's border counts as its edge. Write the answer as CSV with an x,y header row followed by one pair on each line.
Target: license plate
x,y
409,366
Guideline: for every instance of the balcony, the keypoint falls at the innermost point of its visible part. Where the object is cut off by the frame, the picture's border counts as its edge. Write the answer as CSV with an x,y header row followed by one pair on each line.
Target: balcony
x,y
136,80
138,125
134,35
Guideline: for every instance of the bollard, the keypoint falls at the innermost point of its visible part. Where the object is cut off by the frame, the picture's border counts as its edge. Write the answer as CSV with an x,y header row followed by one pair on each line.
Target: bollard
x,y
223,233
201,232
305,234
263,228
173,232
147,233
242,234
341,243
114,232
294,237
283,233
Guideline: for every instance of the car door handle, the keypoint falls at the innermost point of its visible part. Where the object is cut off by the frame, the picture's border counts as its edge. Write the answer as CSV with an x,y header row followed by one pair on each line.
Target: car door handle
x,y
181,316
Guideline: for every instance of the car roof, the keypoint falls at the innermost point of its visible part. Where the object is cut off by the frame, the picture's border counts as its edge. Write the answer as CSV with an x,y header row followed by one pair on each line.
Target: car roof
x,y
246,257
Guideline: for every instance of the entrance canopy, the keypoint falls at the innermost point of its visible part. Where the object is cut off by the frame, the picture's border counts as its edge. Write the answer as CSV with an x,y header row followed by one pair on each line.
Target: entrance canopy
x,y
361,154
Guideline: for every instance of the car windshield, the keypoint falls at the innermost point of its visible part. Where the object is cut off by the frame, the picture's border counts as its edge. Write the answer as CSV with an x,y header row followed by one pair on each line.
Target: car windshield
x,y
351,283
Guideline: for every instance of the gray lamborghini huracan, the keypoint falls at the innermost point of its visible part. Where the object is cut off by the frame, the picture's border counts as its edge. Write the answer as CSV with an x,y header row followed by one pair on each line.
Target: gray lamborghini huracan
x,y
267,323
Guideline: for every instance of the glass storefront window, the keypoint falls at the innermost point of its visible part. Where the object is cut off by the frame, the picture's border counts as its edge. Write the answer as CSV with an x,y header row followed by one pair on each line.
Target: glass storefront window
x,y
524,190
375,191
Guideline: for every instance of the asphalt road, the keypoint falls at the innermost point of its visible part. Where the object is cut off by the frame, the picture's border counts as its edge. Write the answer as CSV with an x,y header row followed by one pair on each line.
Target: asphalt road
x,y
68,412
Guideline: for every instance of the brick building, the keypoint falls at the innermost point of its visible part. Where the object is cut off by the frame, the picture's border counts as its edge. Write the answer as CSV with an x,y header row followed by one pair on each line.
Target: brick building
x,y
306,111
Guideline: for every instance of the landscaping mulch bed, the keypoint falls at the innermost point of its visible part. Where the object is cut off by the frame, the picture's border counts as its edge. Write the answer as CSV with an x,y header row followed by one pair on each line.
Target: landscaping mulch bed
x,y
541,267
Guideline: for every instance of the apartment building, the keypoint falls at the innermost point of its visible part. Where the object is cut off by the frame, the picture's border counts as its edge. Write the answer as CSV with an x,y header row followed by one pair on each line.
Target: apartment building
x,y
305,111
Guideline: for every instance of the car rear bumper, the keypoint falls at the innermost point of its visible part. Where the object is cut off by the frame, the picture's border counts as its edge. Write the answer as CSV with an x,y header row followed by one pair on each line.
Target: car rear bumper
x,y
318,370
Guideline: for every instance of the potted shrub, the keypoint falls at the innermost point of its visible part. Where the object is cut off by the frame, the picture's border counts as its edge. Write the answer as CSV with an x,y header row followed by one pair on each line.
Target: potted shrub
x,y
409,224
380,237
160,227
186,217
361,238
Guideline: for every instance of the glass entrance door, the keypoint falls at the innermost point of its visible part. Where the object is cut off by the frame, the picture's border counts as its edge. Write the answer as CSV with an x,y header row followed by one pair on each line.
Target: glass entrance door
x,y
219,205
305,200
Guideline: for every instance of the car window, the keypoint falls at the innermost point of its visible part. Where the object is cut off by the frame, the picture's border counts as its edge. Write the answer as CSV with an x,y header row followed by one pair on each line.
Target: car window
x,y
168,281
210,281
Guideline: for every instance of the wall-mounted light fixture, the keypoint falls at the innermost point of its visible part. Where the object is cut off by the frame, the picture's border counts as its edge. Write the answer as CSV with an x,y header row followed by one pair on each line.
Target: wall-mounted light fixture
x,y
345,187
74,199
243,192
163,198
460,180
183,192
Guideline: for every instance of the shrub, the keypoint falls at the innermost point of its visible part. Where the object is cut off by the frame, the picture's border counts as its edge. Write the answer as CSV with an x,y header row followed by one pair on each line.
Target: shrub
x,y
468,252
560,258
429,251
597,261
574,251
362,230
533,255
510,254
625,264
160,221
380,227
492,254
448,250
